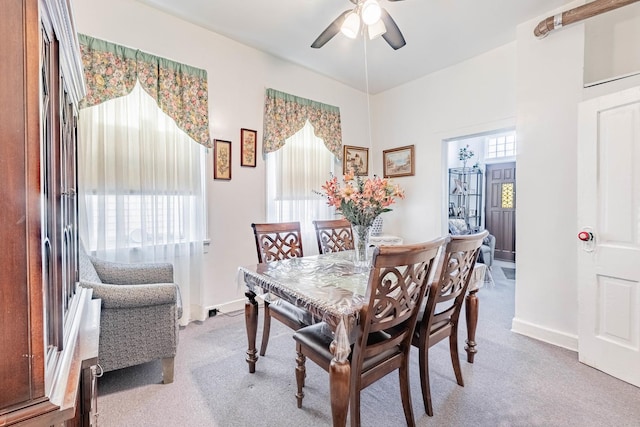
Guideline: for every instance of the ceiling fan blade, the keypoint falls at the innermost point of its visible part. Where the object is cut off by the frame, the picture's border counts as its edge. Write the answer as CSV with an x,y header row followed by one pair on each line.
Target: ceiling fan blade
x,y
330,31
393,36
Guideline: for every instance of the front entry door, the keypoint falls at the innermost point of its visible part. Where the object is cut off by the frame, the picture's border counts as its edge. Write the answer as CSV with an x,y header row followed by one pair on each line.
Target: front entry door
x,y
609,216
501,208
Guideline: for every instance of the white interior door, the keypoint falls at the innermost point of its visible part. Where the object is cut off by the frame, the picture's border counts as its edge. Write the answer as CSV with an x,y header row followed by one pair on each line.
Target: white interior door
x,y
609,207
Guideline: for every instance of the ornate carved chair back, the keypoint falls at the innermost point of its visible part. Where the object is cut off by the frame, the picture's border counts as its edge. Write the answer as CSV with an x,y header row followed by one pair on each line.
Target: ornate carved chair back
x,y
333,235
278,241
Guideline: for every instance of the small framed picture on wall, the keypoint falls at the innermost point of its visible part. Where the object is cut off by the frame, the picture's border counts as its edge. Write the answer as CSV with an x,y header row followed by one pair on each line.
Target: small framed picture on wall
x,y
221,159
248,143
355,159
398,162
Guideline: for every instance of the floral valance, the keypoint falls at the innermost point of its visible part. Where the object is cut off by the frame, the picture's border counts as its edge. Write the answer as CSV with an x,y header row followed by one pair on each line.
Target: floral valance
x,y
112,70
285,114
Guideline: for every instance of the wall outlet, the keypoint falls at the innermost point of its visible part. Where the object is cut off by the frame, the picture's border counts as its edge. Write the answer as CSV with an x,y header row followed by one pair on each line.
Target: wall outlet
x,y
213,312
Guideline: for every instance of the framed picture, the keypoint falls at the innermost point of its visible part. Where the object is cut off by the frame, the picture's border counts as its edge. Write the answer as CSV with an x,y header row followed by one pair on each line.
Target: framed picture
x,y
356,159
398,162
221,159
248,139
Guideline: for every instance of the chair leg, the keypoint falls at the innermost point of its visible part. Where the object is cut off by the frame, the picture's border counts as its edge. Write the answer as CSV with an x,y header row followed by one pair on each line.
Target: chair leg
x,y
424,379
167,370
300,374
354,407
405,392
455,359
265,329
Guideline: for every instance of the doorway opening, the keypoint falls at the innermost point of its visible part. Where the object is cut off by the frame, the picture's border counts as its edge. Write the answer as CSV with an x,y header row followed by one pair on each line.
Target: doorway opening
x,y
481,187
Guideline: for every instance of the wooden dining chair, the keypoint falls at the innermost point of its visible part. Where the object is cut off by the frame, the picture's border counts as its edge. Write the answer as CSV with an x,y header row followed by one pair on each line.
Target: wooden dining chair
x,y
333,235
278,241
382,344
439,319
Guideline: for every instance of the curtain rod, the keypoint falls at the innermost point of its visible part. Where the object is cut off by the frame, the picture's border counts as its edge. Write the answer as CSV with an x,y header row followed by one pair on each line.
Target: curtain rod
x,y
580,13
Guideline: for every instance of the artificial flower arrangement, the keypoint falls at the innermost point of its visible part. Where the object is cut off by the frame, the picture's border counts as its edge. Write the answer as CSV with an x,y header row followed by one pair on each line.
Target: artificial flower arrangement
x,y
361,201
465,154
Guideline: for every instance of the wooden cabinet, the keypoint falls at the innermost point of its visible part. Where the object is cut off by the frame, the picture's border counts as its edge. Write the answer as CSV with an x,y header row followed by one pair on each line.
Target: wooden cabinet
x,y
47,345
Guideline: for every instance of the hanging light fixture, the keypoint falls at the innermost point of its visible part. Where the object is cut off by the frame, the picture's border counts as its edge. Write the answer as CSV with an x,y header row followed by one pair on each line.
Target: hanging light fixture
x,y
351,25
369,15
371,12
376,30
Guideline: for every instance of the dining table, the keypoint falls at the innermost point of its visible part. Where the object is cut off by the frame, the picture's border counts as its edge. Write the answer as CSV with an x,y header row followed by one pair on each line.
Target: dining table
x,y
331,288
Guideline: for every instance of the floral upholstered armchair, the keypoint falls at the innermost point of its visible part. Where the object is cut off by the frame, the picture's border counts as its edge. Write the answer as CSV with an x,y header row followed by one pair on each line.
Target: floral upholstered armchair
x,y
487,250
140,310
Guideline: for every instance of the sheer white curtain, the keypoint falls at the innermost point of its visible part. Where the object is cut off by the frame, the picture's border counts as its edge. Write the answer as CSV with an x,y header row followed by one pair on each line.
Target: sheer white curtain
x,y
295,173
141,191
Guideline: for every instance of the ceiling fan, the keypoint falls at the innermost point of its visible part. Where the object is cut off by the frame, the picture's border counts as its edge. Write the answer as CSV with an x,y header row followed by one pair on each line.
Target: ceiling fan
x,y
375,18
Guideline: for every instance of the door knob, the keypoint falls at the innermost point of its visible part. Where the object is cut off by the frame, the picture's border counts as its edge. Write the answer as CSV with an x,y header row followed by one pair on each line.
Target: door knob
x,y
588,239
585,236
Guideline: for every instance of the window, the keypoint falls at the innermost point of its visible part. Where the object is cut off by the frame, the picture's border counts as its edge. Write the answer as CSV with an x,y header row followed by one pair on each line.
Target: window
x,y
140,212
501,146
295,175
141,176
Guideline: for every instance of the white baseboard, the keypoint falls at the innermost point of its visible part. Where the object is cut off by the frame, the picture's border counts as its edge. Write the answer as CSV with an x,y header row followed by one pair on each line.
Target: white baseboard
x,y
230,306
551,336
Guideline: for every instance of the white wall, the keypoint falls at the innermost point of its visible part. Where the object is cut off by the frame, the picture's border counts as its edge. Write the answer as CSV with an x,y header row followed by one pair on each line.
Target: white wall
x,y
472,97
550,87
238,76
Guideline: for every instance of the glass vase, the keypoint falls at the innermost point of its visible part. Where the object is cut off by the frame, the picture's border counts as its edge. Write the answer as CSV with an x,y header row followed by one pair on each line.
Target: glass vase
x,y
361,245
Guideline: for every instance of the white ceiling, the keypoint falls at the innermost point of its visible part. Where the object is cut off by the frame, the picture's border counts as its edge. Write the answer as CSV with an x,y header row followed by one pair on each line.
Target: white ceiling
x,y
439,33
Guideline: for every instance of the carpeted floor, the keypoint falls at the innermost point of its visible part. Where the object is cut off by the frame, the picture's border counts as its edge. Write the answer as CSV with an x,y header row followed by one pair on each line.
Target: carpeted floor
x,y
515,381
509,273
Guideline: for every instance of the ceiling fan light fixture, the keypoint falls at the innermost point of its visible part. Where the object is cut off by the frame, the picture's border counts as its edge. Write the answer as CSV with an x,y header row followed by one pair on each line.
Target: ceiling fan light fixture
x,y
371,12
351,25
376,30
351,21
